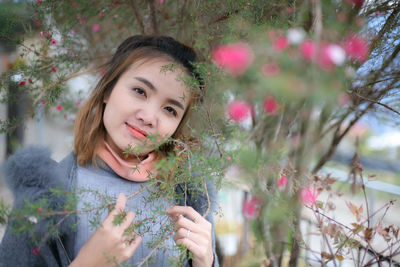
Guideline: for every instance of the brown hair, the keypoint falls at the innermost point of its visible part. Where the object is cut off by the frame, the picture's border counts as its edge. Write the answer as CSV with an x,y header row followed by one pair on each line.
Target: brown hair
x,y
89,127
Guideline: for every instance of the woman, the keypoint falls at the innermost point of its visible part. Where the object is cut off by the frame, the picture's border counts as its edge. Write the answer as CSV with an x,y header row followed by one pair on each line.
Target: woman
x,y
141,95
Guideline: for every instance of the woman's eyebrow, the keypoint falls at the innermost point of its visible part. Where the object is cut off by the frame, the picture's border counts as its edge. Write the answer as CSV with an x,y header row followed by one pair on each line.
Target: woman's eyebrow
x,y
146,82
152,87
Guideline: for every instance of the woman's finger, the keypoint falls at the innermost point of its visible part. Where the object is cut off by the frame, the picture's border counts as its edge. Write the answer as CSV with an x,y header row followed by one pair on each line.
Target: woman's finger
x,y
195,237
118,208
190,245
133,245
130,216
187,211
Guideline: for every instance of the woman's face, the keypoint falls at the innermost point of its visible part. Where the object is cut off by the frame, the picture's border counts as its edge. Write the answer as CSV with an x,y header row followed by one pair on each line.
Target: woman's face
x,y
146,100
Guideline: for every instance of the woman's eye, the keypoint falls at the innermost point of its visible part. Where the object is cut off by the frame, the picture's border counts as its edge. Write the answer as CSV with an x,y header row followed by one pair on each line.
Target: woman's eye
x,y
139,91
171,110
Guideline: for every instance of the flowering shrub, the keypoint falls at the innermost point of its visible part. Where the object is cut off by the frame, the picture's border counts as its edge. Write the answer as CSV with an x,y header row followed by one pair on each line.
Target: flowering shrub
x,y
283,91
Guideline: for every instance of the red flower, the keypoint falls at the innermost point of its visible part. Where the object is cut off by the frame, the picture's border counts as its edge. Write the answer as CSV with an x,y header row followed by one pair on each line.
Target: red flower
x,y
239,110
59,107
308,195
29,80
53,69
251,207
236,58
307,49
270,105
357,3
43,103
281,43
101,14
270,69
38,2
40,209
53,42
357,48
282,181
21,83
36,251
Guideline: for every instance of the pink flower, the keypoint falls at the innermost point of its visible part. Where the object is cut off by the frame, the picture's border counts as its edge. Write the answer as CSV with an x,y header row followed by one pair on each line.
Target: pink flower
x,y
308,50
101,14
38,2
161,1
270,69
308,195
251,207
281,43
53,42
77,102
59,107
282,181
40,209
96,27
236,58
228,158
357,48
73,4
53,69
21,83
43,103
325,59
36,251
239,110
270,105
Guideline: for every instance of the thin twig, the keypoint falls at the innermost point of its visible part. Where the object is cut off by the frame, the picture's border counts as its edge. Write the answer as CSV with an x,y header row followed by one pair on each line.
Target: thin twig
x,y
58,82
208,198
153,16
377,102
137,16
213,131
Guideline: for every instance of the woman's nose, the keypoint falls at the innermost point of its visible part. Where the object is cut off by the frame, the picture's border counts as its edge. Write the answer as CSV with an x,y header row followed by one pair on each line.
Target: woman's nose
x,y
147,117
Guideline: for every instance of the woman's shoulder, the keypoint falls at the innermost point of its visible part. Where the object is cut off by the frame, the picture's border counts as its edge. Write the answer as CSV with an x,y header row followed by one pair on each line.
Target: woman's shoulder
x,y
33,167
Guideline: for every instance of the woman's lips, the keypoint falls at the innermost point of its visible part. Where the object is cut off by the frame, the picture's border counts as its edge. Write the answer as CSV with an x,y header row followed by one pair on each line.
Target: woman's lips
x,y
139,134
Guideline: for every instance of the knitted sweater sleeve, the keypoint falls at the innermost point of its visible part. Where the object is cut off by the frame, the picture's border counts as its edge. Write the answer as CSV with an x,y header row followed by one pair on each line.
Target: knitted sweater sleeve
x,y
29,174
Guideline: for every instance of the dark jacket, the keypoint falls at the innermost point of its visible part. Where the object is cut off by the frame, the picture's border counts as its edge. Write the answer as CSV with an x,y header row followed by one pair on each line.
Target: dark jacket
x,y
29,174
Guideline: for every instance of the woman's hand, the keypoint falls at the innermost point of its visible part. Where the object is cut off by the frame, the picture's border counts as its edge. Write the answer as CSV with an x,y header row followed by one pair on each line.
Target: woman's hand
x,y
194,232
107,244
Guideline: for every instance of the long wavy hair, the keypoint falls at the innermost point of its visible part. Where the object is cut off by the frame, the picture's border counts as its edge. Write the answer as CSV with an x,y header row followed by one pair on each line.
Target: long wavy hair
x,y
89,128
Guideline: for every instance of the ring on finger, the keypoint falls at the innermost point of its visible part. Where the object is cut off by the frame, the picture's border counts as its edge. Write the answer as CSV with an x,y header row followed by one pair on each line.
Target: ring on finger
x,y
187,233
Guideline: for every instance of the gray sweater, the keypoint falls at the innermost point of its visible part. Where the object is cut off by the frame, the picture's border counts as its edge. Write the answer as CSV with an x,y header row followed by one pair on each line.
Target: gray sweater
x,y
29,174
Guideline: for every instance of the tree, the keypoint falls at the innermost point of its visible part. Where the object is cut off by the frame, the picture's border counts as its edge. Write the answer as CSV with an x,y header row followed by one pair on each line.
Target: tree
x,y
303,73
